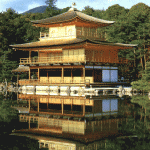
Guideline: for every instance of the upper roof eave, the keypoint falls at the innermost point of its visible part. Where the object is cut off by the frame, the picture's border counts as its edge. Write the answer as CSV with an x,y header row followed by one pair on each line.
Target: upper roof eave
x,y
70,15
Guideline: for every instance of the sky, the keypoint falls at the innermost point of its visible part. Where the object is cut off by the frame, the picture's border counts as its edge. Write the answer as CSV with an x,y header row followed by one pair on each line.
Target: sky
x,y
21,6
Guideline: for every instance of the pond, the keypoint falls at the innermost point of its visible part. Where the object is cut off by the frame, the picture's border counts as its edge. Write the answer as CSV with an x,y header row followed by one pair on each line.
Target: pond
x,y
76,122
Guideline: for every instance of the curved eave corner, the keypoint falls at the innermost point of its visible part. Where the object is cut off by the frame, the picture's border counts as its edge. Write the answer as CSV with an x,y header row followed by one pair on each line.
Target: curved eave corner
x,y
127,45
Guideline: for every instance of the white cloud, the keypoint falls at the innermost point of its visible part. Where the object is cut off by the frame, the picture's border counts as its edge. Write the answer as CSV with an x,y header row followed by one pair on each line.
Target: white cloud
x,y
20,5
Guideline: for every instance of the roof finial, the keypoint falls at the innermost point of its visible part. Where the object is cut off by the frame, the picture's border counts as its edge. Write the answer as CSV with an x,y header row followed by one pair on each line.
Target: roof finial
x,y
72,8
73,4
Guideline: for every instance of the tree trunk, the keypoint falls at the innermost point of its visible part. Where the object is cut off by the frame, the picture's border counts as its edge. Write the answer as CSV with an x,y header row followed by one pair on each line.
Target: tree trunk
x,y
145,60
144,57
134,59
141,61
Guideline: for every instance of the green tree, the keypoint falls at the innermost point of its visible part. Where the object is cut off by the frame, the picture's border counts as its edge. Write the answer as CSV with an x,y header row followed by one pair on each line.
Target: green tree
x,y
51,3
88,10
132,27
98,14
140,29
114,12
7,37
144,83
51,10
15,29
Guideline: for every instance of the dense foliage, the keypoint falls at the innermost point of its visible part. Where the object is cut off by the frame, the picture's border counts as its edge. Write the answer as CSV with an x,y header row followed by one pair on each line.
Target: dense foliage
x,y
131,26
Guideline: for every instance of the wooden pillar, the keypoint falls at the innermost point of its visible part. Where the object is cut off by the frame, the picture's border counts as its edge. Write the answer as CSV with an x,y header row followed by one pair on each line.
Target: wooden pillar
x,y
71,104
38,123
71,75
84,108
93,123
38,105
30,56
38,73
47,103
38,56
47,76
29,73
29,122
62,106
29,104
93,74
84,74
93,110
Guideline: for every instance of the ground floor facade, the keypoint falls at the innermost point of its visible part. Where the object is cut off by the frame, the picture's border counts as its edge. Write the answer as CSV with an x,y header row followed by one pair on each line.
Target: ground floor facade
x,y
71,74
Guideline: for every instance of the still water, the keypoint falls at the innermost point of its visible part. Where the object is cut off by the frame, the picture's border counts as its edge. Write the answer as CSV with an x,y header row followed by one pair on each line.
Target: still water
x,y
82,122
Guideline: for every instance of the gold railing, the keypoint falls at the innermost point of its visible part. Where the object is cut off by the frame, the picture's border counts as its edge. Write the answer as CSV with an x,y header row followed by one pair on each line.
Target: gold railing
x,y
51,60
107,60
69,59
55,81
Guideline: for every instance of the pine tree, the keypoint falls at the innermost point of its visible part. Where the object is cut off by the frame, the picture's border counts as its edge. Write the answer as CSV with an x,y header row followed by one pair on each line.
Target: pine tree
x,y
51,10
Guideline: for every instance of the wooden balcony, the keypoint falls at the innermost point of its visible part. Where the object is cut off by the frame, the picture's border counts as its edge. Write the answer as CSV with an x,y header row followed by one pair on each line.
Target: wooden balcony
x,y
53,60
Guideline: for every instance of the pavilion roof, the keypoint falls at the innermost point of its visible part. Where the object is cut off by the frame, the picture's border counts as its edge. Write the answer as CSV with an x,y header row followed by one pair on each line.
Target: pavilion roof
x,y
71,14
58,42
21,69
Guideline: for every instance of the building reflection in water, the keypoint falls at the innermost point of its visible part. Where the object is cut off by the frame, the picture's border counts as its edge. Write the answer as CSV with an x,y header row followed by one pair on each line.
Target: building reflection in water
x,y
52,143
81,118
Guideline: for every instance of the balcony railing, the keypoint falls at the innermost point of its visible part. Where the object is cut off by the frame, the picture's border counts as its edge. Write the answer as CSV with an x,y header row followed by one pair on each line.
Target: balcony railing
x,y
68,59
52,60
56,81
